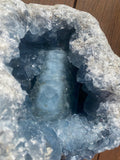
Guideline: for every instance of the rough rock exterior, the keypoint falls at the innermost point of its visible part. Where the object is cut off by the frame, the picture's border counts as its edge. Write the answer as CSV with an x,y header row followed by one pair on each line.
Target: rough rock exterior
x,y
77,136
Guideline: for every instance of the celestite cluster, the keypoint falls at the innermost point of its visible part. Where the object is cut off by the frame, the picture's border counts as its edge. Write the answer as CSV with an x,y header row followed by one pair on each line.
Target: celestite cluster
x,y
59,84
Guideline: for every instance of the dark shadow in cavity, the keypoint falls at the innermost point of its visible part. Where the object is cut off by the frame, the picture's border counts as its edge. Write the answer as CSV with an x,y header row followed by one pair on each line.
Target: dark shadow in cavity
x,y
26,67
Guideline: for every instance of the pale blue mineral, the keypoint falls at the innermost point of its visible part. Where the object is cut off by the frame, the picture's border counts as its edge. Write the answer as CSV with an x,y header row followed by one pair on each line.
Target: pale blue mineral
x,y
59,84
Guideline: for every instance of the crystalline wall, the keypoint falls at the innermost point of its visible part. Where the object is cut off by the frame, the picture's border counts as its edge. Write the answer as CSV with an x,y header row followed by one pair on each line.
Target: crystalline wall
x,y
59,84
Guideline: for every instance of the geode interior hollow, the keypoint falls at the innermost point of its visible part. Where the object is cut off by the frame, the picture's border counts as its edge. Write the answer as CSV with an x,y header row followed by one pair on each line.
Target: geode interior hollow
x,y
59,84
45,73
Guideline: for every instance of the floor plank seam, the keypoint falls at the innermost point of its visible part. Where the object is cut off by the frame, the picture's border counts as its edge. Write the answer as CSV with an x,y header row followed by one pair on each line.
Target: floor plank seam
x,y
98,156
75,3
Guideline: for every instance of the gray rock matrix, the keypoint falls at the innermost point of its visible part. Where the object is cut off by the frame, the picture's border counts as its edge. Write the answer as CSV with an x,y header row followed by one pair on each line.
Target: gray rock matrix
x,y
25,136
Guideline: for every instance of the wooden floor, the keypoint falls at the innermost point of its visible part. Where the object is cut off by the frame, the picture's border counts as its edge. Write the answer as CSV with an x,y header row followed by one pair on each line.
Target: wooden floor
x,y
108,14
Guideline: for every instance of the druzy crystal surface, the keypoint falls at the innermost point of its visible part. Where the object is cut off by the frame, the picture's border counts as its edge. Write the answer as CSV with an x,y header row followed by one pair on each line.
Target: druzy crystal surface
x,y
59,84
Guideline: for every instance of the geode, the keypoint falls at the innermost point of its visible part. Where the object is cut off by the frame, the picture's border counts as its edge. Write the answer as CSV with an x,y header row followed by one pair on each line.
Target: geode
x,y
59,84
